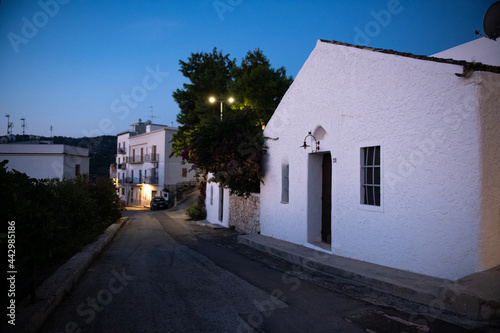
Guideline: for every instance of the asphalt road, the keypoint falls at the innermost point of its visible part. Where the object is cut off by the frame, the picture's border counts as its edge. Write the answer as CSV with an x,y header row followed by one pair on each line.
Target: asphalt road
x,y
162,275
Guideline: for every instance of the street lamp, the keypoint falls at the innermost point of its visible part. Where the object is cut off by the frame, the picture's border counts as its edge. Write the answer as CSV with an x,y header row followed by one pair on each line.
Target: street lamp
x,y
213,100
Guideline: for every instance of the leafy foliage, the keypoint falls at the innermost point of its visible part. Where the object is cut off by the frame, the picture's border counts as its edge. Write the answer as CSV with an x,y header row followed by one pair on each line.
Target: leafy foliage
x,y
197,211
229,146
56,218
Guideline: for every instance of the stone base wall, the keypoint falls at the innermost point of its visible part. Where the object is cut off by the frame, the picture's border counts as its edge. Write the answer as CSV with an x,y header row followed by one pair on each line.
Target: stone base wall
x,y
244,213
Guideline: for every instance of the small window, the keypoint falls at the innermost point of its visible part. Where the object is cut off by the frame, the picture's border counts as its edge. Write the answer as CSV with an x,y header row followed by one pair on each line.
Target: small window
x,y
211,195
184,172
77,170
285,182
370,176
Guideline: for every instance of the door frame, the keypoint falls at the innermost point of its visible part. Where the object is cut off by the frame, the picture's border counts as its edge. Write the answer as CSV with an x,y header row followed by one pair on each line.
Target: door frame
x,y
315,200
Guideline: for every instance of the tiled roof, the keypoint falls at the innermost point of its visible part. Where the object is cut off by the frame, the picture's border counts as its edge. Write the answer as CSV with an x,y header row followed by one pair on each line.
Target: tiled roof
x,y
469,67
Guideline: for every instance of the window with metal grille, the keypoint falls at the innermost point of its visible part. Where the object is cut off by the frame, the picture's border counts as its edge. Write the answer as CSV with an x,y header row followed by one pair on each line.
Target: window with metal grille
x,y
370,176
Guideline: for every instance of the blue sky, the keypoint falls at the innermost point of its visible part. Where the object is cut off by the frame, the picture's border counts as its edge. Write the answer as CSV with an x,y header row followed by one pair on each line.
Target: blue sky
x,y
91,67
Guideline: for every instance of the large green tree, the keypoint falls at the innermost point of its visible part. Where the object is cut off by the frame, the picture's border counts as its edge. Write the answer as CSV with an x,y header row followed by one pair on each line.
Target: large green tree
x,y
231,146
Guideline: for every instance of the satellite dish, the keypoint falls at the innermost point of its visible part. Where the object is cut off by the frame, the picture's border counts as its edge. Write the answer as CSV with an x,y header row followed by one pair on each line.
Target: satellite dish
x,y
491,21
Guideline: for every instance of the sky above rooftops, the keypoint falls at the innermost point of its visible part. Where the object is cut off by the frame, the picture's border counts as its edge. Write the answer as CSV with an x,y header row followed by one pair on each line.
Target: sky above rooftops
x,y
89,68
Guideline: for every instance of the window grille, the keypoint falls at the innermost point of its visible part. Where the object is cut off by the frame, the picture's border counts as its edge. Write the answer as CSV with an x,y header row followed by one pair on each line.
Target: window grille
x,y
370,176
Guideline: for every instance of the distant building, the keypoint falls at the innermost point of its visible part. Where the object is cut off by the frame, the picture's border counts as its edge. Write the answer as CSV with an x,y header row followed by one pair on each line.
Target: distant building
x,y
43,161
143,167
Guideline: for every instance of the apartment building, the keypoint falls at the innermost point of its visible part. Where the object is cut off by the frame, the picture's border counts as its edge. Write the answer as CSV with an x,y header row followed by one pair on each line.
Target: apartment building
x,y
144,169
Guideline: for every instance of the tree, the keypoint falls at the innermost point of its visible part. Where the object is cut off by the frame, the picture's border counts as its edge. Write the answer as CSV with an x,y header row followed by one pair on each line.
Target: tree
x,y
258,86
232,147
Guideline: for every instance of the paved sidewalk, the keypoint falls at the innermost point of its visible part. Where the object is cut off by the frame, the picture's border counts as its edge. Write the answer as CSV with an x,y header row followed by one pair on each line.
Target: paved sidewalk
x,y
476,296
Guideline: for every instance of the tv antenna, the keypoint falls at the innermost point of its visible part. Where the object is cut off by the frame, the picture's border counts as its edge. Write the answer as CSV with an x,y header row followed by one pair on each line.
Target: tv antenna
x,y
152,114
23,126
491,21
9,125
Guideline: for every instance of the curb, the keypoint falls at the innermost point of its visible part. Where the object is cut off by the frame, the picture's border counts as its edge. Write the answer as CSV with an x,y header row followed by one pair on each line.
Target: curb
x,y
452,296
50,293
205,223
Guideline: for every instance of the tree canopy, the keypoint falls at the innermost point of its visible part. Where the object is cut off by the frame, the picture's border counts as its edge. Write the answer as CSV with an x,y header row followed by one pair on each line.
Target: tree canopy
x,y
229,145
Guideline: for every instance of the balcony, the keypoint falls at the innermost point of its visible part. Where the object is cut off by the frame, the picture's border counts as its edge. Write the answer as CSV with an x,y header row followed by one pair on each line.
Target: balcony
x,y
122,166
151,157
121,151
152,180
135,159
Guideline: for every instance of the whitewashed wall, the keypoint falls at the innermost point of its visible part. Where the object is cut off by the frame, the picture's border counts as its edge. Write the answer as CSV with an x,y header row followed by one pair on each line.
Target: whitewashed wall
x,y
46,161
212,203
426,121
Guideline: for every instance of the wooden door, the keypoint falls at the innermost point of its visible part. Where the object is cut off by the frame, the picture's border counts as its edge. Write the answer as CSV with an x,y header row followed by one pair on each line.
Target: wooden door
x,y
326,199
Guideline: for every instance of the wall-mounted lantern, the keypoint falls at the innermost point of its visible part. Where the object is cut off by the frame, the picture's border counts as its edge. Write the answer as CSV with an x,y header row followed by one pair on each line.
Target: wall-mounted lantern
x,y
316,143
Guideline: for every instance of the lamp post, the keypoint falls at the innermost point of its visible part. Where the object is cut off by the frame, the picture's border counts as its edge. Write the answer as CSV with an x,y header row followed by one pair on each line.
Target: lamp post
x,y
213,100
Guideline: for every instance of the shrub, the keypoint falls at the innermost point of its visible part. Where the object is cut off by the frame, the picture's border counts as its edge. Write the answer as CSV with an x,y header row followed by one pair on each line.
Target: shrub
x,y
56,218
197,211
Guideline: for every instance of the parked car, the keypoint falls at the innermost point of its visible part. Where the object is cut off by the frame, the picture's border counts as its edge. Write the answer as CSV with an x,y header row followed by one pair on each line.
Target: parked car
x,y
158,203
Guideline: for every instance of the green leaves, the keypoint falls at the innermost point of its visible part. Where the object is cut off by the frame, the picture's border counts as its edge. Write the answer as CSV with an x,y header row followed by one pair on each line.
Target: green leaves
x,y
54,218
232,147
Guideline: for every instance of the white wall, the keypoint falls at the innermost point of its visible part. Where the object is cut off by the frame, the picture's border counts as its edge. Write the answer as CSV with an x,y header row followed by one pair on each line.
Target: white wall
x,y
45,161
212,203
483,50
425,119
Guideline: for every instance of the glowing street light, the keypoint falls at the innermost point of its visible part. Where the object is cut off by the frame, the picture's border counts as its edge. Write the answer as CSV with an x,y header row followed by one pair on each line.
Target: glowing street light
x,y
212,99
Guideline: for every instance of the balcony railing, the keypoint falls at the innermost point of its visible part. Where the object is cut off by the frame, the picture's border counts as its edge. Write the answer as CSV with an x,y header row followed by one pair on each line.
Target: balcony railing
x,y
122,166
121,151
135,159
151,180
151,157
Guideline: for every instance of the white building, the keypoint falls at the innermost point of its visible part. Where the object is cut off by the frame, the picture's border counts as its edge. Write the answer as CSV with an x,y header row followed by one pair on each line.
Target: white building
x,y
44,161
144,169
217,203
407,173
484,50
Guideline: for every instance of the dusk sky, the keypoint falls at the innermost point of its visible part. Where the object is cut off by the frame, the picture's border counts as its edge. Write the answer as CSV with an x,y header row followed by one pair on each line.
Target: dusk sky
x,y
72,63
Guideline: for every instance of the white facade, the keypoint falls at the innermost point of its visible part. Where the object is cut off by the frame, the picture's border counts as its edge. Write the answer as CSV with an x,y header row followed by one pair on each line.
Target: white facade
x,y
439,140
144,169
46,161
489,52
217,203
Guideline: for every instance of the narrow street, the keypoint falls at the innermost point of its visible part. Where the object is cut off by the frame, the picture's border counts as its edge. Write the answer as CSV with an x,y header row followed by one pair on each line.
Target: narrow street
x,y
159,275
